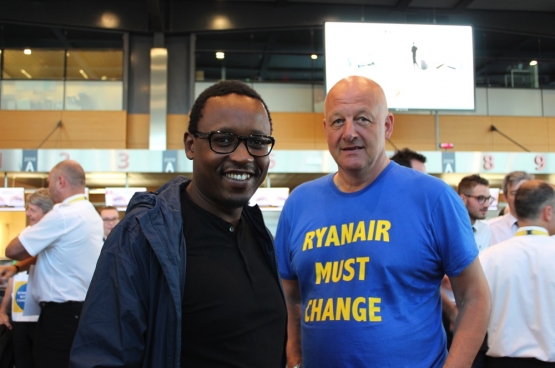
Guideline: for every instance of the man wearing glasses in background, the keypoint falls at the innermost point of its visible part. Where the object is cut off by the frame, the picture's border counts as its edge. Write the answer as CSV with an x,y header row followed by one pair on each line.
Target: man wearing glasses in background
x,y
189,277
475,194
110,218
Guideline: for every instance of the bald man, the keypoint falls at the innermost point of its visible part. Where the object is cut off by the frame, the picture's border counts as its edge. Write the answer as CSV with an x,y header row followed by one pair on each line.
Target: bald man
x,y
67,243
521,278
362,252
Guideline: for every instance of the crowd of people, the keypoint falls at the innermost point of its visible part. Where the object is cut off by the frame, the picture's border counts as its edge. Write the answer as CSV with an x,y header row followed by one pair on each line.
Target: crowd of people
x,y
375,265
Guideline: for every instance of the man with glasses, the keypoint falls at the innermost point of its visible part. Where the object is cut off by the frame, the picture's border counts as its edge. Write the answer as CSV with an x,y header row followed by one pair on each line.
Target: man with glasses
x,y
189,276
474,192
110,218
504,227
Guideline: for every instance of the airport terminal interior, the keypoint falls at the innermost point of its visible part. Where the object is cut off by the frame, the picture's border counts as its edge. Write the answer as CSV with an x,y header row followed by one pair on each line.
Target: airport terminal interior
x,y
111,83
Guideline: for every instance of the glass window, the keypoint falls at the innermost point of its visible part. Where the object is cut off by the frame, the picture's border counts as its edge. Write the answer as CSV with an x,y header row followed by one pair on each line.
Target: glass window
x,y
94,95
33,64
94,65
31,95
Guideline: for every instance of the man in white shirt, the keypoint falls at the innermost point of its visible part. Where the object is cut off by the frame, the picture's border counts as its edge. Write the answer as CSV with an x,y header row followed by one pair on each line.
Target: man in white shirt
x,y
474,192
504,227
67,242
521,277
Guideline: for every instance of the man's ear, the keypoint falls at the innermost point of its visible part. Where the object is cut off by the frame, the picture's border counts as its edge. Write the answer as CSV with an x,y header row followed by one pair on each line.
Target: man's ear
x,y
189,142
463,197
389,125
547,213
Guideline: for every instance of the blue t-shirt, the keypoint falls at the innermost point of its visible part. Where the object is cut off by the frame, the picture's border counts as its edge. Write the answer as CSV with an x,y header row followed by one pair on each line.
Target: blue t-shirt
x,y
369,266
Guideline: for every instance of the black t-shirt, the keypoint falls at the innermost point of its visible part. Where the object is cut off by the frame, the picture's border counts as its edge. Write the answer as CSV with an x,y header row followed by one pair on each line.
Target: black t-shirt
x,y
233,311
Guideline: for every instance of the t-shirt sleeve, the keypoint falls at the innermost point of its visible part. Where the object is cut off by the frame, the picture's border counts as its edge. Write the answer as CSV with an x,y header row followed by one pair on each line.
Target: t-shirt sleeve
x,y
453,233
283,247
44,233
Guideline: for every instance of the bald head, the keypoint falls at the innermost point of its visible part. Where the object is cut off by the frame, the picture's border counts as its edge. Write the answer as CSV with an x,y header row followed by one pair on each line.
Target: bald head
x,y
72,171
347,89
66,179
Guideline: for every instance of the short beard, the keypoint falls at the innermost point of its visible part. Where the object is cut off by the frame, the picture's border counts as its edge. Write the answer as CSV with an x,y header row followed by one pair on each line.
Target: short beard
x,y
235,202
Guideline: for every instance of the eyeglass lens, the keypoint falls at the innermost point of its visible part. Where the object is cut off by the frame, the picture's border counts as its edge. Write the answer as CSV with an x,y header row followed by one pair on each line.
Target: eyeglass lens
x,y
228,142
483,199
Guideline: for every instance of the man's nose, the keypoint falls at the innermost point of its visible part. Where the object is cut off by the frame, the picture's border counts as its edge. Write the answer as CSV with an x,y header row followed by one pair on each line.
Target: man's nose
x,y
349,130
241,153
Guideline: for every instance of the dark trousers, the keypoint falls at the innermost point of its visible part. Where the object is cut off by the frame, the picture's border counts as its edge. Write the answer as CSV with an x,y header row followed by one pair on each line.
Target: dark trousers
x,y
506,362
56,330
23,334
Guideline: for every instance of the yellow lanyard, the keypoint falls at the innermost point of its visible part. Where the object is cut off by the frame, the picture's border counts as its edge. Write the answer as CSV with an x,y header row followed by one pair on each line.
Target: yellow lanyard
x,y
77,199
531,232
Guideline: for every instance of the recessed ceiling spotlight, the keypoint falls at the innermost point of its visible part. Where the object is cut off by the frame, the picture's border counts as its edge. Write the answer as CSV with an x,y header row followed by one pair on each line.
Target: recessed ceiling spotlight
x,y
314,56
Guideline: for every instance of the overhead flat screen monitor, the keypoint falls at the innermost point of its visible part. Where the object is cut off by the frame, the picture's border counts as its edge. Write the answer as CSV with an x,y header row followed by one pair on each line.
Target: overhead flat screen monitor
x,y
424,67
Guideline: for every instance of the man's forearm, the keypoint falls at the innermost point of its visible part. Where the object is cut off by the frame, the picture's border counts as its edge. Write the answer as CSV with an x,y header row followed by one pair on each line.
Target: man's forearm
x,y
474,304
293,301
294,353
16,250
470,329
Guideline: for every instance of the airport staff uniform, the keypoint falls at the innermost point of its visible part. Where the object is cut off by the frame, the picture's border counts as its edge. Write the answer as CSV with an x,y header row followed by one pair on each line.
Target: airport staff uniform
x,y
502,228
521,277
67,241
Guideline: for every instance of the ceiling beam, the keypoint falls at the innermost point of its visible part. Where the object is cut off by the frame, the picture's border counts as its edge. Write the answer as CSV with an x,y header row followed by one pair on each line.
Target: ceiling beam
x,y
156,15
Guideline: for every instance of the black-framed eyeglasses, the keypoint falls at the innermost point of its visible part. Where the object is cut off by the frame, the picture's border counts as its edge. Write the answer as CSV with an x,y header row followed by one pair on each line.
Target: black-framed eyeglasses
x,y
223,142
482,199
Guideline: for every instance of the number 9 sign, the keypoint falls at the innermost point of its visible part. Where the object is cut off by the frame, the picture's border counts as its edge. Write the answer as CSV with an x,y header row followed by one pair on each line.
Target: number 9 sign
x,y
539,160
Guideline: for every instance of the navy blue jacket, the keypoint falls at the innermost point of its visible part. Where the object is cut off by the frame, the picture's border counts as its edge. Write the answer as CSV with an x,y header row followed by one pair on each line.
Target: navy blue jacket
x,y
132,313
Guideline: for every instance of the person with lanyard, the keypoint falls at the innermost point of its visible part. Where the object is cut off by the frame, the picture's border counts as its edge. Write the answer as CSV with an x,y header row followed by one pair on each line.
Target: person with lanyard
x,y
38,204
504,227
521,277
67,243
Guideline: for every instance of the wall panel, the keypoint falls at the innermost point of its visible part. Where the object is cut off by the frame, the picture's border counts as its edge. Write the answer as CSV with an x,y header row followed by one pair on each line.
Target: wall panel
x,y
137,130
293,131
297,131
177,125
414,131
80,129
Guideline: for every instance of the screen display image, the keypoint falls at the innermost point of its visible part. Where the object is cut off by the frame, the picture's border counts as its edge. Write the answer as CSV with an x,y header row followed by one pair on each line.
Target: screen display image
x,y
420,67
120,197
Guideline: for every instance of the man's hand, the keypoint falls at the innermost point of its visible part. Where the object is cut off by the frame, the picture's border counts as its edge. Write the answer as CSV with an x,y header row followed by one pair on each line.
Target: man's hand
x,y
6,272
5,320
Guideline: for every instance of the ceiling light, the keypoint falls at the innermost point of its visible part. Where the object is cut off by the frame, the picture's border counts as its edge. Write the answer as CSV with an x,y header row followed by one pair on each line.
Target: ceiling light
x,y
220,55
534,62
82,72
26,74
314,56
27,51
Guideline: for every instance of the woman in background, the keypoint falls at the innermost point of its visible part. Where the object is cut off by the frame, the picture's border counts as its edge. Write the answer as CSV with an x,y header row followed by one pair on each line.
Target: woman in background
x,y
39,204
